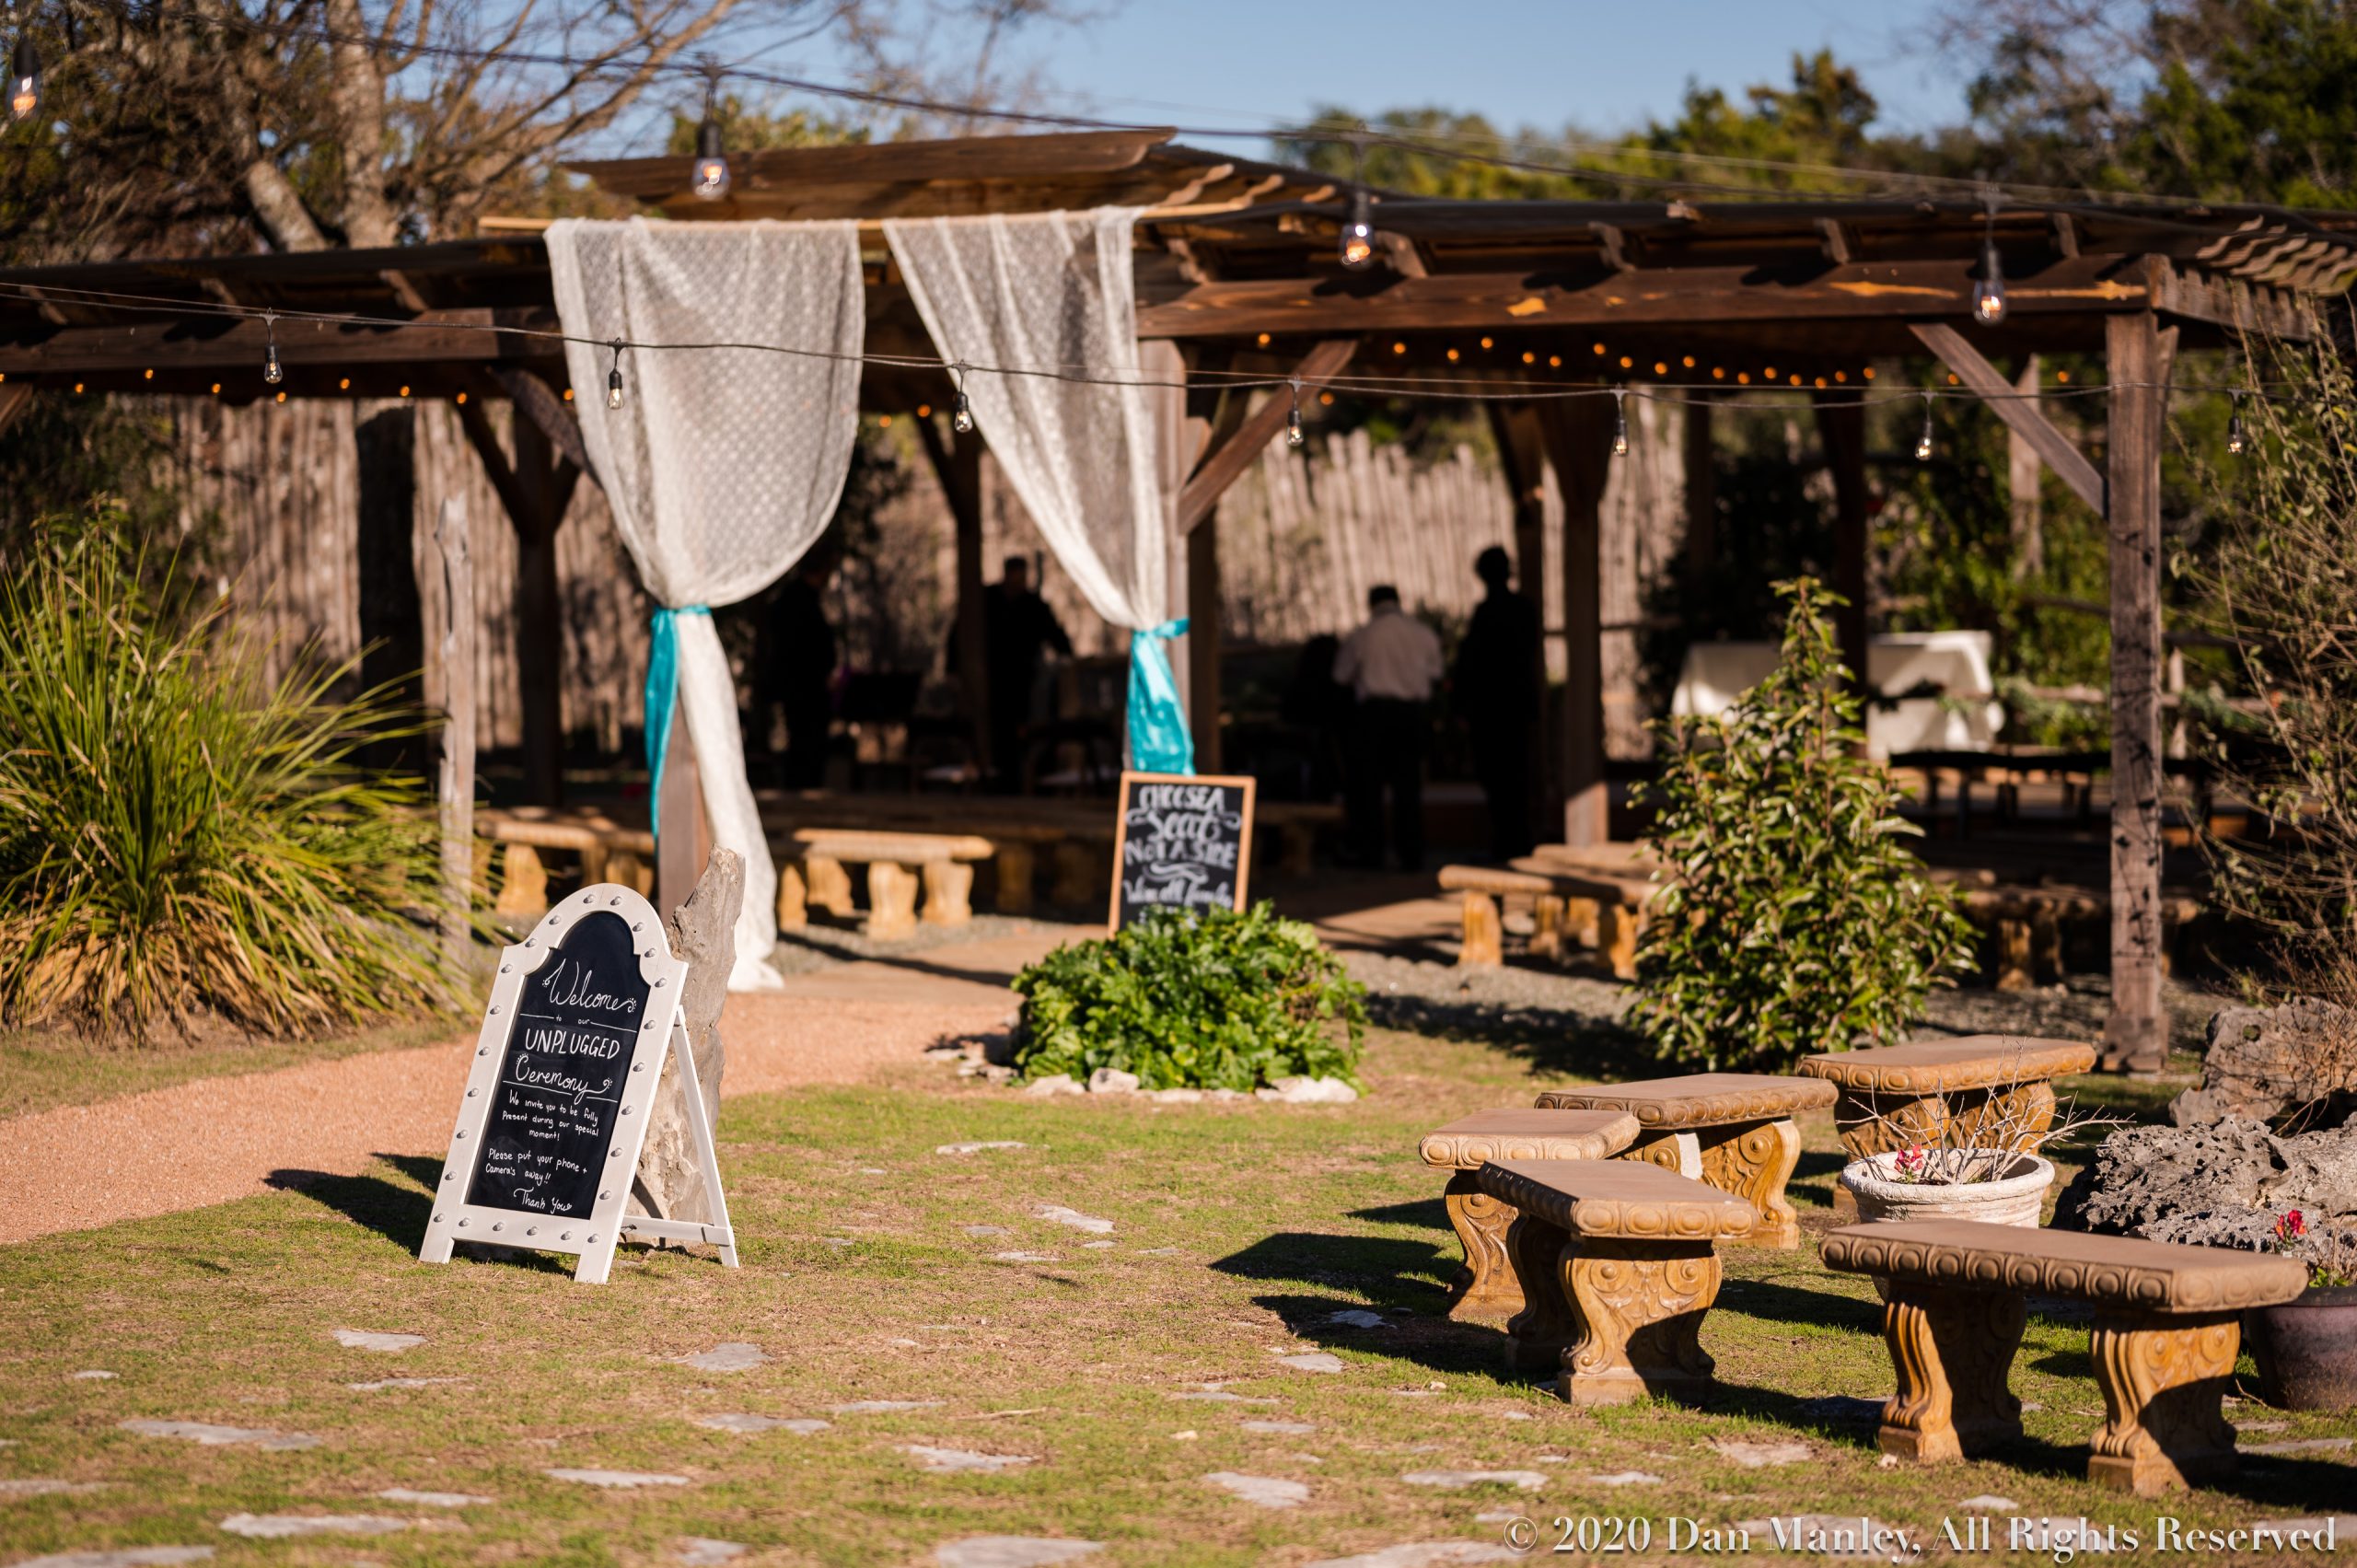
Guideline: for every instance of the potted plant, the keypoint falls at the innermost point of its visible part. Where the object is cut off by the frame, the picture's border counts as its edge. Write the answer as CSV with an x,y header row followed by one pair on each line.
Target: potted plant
x,y
2306,1348
1981,1163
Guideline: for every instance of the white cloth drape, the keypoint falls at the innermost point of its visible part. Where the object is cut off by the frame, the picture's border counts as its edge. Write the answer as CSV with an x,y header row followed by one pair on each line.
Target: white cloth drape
x,y
1044,291
722,465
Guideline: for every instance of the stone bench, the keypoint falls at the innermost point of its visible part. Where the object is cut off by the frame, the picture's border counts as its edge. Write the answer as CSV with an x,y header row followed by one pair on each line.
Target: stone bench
x,y
2168,1322
1565,904
1733,1131
1618,1262
608,851
896,864
2027,923
1942,1091
1485,1287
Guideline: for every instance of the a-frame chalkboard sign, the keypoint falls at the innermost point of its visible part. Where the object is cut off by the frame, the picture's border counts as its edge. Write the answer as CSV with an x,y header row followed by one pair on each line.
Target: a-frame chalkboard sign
x,y
580,1018
1182,839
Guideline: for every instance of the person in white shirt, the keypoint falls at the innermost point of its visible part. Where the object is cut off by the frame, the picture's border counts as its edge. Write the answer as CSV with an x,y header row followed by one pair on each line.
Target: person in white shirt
x,y
1391,665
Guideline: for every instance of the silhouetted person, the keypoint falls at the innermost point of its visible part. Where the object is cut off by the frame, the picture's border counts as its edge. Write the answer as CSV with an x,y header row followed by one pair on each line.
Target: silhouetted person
x,y
1017,631
798,665
1496,692
1391,665
1314,704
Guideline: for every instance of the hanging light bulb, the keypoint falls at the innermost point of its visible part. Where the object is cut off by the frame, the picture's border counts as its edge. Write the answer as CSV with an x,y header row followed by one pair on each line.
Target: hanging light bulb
x,y
961,413
1358,231
711,182
1924,442
24,80
1293,436
271,370
1619,424
614,377
1989,293
2236,443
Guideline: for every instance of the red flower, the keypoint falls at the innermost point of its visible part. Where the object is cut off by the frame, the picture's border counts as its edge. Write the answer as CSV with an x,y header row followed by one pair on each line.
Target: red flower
x,y
2291,1227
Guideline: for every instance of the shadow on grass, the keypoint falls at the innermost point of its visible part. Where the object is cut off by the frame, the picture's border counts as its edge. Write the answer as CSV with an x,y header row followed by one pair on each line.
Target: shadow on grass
x,y
1815,1163
1384,1269
396,1211
1431,1213
1791,1304
1550,1040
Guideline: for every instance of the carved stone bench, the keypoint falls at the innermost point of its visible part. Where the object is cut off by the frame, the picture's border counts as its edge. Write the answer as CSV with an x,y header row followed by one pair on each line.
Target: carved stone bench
x,y
896,864
1618,1262
1734,1131
2168,1322
608,851
1941,1091
1565,903
1485,1287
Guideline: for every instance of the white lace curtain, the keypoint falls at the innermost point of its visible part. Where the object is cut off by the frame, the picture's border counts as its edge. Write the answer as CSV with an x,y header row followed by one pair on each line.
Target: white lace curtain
x,y
723,465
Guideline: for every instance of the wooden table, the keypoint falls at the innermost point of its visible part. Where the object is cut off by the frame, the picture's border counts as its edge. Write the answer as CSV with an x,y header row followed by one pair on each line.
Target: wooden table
x,y
1733,1131
1485,1286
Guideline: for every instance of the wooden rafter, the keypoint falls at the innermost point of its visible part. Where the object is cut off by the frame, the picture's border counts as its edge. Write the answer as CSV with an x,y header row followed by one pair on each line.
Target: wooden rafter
x,y
2021,416
1225,462
536,401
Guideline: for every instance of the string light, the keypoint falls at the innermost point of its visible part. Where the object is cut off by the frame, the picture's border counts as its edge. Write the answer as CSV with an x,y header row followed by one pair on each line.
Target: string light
x,y
961,413
1358,229
1293,436
270,372
1988,295
1620,422
614,377
711,182
24,80
2234,439
1924,442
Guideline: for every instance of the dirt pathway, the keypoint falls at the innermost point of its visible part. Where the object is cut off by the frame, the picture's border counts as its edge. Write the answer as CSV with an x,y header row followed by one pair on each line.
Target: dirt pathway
x,y
215,1139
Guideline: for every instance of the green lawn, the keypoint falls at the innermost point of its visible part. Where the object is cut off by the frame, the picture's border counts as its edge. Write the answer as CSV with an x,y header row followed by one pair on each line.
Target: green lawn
x,y
1237,1231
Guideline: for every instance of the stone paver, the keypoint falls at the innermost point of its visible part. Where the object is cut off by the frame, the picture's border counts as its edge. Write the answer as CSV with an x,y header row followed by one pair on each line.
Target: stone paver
x,y
618,1480
1268,1491
431,1499
962,1461
1023,1257
1074,1218
1424,1554
986,1230
1458,1481
883,1407
703,1551
734,1356
1760,1455
94,1375
1356,1319
1011,1551
977,1148
1626,1477
383,1383
286,1527
45,1486
1989,1502
121,1557
1288,1428
1312,1361
2303,1445
212,1437
368,1339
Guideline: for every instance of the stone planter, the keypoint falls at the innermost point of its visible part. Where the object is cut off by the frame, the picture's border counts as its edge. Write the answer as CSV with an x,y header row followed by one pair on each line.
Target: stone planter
x,y
2307,1350
2015,1199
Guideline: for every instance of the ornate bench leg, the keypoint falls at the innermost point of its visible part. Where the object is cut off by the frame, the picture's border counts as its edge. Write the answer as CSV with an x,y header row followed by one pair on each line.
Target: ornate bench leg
x,y
891,902
1953,1350
1906,1120
1485,1288
2162,1377
1079,881
793,897
1677,1152
1484,946
829,885
948,892
1547,922
1753,1160
1545,1327
1016,865
1616,936
1638,1307
524,888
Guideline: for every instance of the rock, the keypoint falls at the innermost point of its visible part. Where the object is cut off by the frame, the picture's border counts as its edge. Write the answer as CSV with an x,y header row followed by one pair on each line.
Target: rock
x,y
1062,1084
1288,1428
884,1407
381,1384
1356,1320
619,1481
286,1527
1223,1095
121,1557
431,1499
1458,1481
2259,1062
1267,1491
1023,1257
44,1486
703,932
1175,1097
1626,1477
94,1375
703,1551
1309,1091
2303,1445
1096,1246
1074,1218
734,1356
363,1339
986,1230
1112,1081
735,1422
2219,1186
1011,1551
1424,1554
1312,1361
976,1148
1759,1456
211,1437
960,1461
1989,1504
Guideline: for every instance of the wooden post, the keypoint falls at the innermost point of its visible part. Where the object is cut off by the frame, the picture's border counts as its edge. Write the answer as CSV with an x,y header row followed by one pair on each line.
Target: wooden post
x,y
1701,487
1578,434
1842,424
451,674
2022,476
2140,355
535,487
1173,456
958,464
1522,454
1205,641
682,841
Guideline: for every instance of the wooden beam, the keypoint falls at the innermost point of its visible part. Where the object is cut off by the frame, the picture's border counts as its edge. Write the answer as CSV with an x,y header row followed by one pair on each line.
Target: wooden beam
x,y
1837,241
2141,356
1578,433
535,399
1206,641
1615,246
1225,463
2232,303
1676,296
1702,486
1841,423
2021,416
1175,449
2022,487
15,398
1522,453
959,158
438,337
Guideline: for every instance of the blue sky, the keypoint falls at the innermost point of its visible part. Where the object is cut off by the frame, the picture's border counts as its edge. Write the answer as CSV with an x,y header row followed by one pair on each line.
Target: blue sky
x,y
1605,66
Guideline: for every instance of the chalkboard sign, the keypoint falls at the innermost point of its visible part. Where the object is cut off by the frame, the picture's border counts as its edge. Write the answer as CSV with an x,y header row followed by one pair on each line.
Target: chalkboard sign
x,y
581,1019
1183,840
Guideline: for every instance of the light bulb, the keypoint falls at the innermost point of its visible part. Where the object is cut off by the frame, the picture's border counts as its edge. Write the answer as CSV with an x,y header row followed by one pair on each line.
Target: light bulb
x,y
961,416
1293,436
1988,295
1924,442
271,370
24,80
614,387
711,181
1619,427
1358,231
2235,440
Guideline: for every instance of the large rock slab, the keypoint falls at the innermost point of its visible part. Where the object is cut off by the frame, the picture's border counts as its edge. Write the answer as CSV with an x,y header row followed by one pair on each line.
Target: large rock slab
x,y
2221,1185
207,1435
2259,1062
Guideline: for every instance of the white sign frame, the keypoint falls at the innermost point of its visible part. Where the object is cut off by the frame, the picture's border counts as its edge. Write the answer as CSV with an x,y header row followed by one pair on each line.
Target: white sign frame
x,y
661,1033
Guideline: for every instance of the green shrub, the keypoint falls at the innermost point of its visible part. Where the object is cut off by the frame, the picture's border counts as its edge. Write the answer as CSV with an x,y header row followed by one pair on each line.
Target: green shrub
x,y
180,835
1209,1001
1793,919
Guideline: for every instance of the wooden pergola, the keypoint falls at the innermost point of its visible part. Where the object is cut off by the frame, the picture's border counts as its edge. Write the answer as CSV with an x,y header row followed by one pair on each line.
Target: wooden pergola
x,y
1238,279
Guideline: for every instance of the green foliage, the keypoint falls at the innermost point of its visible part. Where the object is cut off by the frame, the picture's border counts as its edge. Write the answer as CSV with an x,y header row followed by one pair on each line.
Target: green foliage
x,y
1211,1001
1795,919
180,833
